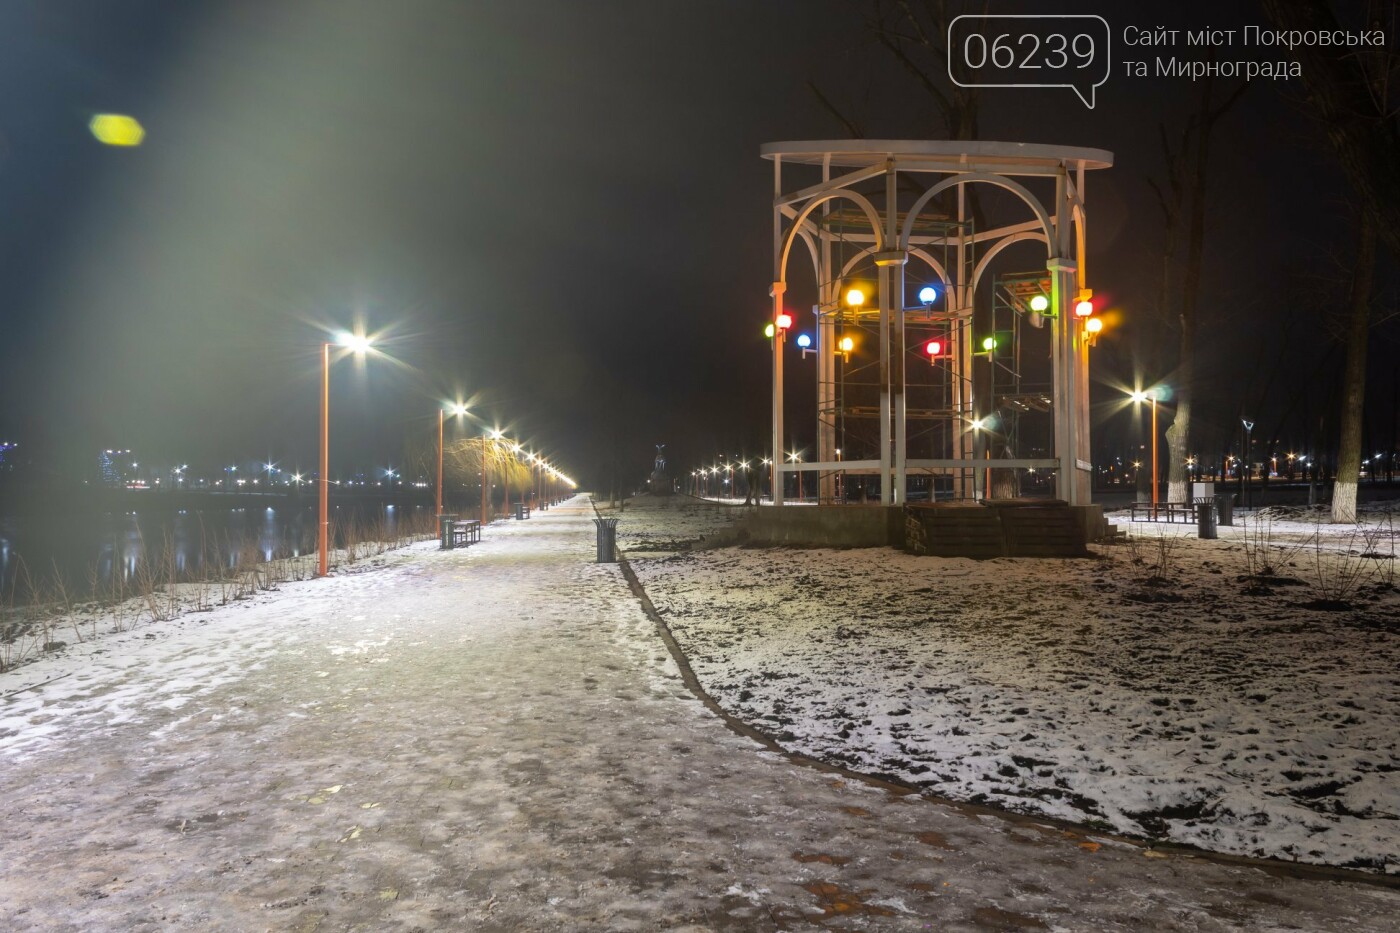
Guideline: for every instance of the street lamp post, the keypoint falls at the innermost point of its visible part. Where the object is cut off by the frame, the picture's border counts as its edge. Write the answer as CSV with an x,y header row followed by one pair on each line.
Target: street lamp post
x,y
1155,484
977,444
359,345
1244,462
797,458
458,410
324,514
483,481
1142,397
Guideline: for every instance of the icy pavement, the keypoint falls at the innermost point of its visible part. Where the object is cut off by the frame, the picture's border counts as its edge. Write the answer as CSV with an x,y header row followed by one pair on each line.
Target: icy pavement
x,y
496,739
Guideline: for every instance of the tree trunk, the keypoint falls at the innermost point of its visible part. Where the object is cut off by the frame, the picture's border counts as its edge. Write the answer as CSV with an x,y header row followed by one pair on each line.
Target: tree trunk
x,y
1354,375
1365,139
1179,434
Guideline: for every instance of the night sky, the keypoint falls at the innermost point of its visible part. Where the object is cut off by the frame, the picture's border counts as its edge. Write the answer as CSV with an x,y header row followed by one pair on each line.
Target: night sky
x,y
555,211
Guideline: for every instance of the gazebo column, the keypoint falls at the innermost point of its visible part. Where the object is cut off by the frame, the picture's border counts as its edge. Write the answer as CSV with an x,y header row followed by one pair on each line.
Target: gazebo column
x,y
826,401
1074,477
885,315
1062,273
891,265
778,336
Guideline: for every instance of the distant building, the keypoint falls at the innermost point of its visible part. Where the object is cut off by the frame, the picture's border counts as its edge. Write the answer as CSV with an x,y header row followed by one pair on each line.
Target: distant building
x,y
116,467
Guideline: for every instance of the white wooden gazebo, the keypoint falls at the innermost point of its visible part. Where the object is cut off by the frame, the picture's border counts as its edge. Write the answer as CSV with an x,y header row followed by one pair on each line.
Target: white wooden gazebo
x,y
906,201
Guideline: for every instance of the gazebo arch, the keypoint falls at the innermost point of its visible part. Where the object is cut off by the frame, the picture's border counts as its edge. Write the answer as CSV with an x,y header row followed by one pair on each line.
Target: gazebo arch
x,y
798,225
889,227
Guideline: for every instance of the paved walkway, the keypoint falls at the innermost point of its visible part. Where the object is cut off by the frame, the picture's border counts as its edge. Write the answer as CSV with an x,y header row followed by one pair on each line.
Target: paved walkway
x,y
496,739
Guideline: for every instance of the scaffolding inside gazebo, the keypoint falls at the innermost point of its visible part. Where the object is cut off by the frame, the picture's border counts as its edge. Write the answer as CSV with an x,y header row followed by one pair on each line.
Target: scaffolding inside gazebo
x,y
916,395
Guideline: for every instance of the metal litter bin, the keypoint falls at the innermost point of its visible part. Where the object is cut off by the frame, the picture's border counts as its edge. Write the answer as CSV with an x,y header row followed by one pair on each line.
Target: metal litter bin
x,y
520,511
607,539
445,530
1225,504
1205,518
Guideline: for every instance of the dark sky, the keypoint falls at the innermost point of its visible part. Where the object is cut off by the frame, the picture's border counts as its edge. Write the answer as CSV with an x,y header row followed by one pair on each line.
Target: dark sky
x,y
554,209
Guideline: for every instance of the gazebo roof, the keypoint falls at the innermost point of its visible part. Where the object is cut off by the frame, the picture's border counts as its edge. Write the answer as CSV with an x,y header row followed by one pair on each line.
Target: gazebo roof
x,y
851,153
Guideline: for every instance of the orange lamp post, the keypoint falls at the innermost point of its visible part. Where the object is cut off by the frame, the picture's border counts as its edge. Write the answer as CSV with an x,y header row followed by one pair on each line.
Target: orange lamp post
x,y
458,410
359,345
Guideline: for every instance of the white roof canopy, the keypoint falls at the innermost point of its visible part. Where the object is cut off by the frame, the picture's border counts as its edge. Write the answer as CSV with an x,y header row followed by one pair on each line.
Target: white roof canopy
x,y
952,152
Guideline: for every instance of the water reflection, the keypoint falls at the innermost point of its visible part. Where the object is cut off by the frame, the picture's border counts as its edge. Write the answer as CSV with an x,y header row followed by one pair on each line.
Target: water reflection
x,y
119,545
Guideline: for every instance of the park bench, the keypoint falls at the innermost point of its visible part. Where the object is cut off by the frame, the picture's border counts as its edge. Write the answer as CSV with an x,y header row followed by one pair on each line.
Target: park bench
x,y
1164,511
465,533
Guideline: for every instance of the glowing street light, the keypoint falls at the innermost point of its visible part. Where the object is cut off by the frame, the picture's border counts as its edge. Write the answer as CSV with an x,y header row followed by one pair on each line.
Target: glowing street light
x,y
797,458
1040,304
358,344
458,409
1139,397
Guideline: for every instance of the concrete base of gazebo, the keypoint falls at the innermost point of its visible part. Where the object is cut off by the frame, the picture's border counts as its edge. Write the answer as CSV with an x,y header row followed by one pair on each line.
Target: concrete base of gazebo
x,y
1000,528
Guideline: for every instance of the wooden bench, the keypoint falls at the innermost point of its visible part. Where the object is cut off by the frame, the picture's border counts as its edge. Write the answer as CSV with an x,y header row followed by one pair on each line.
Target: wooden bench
x,y
1164,511
465,533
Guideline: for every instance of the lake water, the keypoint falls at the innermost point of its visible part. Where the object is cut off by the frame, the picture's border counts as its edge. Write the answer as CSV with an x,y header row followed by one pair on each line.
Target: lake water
x,y
94,547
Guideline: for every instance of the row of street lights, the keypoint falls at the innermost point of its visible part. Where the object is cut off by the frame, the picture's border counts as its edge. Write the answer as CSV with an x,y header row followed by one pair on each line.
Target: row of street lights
x,y
359,345
699,475
1152,395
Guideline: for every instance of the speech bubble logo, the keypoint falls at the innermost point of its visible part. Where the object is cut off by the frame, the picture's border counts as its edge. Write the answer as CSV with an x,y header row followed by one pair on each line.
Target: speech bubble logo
x,y
1011,50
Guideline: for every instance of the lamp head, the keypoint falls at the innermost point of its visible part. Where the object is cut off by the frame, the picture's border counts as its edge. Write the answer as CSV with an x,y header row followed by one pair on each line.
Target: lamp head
x,y
356,343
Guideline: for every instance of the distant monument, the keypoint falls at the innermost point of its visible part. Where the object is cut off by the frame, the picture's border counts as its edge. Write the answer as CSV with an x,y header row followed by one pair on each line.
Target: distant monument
x,y
660,481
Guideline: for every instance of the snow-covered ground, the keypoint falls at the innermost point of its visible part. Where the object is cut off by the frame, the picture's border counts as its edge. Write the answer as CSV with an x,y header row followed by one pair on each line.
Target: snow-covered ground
x,y
495,739
1241,695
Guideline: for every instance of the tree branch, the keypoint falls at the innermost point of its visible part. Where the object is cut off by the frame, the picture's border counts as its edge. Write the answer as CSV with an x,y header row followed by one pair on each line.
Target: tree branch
x,y
852,128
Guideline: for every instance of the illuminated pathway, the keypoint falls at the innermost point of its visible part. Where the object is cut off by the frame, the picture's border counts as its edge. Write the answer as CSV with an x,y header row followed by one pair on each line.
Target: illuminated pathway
x,y
496,739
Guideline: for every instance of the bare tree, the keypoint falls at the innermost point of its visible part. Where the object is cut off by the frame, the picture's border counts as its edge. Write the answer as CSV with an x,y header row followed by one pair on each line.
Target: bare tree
x,y
1183,203
1354,373
1347,93
1350,96
912,33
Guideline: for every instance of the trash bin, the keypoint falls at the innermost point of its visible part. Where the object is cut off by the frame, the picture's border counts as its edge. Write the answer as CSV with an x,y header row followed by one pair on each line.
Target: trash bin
x,y
445,530
1225,504
520,511
1205,518
607,539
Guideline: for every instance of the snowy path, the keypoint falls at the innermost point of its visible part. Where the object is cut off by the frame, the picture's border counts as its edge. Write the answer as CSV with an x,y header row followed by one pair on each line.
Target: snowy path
x,y
495,739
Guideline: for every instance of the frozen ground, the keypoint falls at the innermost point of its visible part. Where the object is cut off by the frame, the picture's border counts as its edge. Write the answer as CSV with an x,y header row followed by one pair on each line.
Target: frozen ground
x,y
495,739
1159,689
